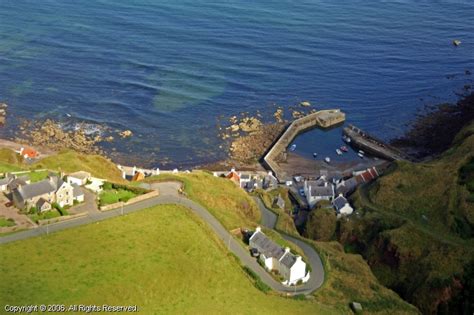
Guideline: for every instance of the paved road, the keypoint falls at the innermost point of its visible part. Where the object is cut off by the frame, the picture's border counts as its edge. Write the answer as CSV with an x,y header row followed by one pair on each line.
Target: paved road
x,y
316,280
171,197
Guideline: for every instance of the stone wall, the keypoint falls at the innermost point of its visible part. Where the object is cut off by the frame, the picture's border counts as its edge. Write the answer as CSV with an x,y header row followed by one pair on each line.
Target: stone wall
x,y
322,118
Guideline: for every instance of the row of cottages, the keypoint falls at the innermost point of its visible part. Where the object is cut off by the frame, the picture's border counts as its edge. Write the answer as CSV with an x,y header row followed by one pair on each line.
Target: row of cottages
x,y
251,182
43,194
291,267
338,189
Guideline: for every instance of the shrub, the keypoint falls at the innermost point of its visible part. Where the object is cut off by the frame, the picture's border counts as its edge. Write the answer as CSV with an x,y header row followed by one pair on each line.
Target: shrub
x,y
107,186
259,284
33,210
299,297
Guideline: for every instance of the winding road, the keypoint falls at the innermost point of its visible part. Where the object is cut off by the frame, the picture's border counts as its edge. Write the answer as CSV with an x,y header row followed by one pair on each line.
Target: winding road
x,y
169,195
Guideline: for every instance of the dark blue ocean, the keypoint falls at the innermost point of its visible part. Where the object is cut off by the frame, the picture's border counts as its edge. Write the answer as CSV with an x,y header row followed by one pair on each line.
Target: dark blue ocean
x,y
168,69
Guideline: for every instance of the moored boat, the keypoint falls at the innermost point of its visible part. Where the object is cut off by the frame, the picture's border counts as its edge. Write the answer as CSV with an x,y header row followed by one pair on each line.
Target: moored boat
x,y
327,159
315,155
293,147
339,152
344,149
360,155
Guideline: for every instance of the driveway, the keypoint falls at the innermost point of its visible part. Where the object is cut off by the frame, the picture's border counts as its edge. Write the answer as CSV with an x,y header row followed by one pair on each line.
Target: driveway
x,y
316,279
170,195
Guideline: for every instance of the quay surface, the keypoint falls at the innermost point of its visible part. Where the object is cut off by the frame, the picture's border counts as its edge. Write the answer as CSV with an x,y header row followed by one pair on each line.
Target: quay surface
x,y
278,152
372,145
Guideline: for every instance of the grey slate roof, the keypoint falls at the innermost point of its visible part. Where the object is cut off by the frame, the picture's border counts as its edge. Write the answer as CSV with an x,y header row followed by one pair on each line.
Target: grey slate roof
x,y
288,260
339,202
5,181
17,182
41,203
36,189
347,187
266,246
321,191
77,191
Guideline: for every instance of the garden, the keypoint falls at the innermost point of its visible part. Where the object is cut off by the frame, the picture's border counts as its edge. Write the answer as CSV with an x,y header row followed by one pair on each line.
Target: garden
x,y
113,193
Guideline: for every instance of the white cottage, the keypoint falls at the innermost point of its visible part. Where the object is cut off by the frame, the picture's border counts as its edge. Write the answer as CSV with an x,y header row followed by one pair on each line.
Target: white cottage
x,y
317,190
291,267
342,206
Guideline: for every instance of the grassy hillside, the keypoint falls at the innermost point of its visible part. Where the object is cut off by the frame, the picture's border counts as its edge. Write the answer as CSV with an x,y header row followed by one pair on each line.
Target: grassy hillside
x,y
417,228
9,161
227,202
348,277
66,161
178,268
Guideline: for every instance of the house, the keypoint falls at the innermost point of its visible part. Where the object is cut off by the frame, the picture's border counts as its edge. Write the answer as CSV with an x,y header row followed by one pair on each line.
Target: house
x,y
291,267
279,202
245,179
29,153
347,187
233,176
342,206
77,193
48,191
270,181
43,205
138,177
318,190
368,175
4,182
79,178
95,185
14,182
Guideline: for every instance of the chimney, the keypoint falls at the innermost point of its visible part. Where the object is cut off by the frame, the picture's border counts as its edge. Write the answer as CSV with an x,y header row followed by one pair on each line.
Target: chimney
x,y
287,250
157,172
258,229
298,258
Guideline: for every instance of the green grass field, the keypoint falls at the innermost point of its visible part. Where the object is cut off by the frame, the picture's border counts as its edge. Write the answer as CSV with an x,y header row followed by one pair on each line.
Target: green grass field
x,y
164,259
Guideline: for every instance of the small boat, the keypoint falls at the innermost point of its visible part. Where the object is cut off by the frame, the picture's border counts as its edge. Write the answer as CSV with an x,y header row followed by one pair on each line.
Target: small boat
x,y
361,152
315,155
360,155
327,159
293,147
344,149
346,139
339,152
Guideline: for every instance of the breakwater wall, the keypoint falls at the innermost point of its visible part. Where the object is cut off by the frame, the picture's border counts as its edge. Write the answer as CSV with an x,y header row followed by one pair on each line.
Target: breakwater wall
x,y
372,145
322,119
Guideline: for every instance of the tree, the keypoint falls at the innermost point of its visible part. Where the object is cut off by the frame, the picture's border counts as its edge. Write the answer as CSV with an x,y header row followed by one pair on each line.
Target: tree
x,y
321,224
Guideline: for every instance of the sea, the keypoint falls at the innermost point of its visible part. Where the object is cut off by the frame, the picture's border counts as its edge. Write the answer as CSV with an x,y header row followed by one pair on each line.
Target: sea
x,y
170,71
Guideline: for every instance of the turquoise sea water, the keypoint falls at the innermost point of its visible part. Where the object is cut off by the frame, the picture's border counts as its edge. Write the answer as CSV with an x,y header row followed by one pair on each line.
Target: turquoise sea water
x,y
167,69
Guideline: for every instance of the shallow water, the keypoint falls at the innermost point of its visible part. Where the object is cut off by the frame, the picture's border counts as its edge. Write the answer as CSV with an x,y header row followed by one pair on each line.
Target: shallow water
x,y
167,69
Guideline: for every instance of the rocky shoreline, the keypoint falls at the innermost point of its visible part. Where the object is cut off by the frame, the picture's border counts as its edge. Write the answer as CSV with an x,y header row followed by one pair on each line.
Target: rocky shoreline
x,y
434,131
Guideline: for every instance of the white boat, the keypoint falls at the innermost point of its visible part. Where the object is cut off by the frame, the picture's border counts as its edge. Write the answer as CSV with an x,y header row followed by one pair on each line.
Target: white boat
x,y
327,159
315,155
339,152
361,152
293,147
346,139
360,155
